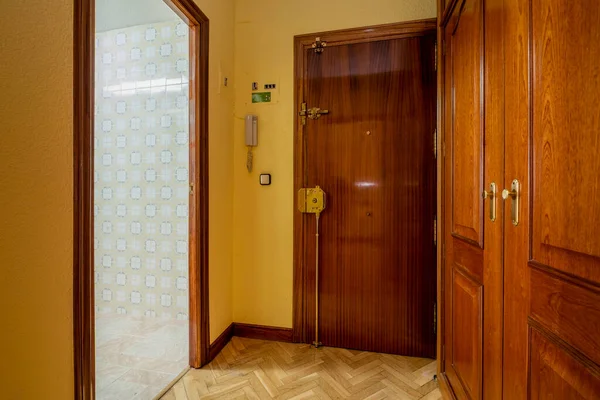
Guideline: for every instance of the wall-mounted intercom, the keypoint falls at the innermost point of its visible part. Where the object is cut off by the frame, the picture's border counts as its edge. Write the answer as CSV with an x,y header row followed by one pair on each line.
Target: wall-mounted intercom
x,y
251,138
251,130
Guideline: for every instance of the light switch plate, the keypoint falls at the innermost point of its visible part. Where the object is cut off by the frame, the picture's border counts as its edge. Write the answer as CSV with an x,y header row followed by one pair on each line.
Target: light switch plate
x,y
265,179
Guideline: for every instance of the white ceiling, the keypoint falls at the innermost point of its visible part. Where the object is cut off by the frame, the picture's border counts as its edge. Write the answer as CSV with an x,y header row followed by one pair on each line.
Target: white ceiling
x,y
115,14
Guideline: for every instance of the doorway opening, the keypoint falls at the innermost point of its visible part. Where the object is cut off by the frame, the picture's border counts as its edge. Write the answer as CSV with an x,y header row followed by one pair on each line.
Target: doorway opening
x,y
141,182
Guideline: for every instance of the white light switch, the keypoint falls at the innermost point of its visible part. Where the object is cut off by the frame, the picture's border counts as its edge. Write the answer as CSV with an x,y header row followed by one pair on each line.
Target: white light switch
x,y
265,179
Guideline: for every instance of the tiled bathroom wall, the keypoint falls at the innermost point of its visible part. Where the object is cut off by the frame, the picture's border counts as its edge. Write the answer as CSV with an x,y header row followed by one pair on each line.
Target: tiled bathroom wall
x,y
141,171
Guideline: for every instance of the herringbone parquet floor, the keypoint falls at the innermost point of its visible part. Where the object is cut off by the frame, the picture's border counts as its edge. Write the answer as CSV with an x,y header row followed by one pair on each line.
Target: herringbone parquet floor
x,y
257,369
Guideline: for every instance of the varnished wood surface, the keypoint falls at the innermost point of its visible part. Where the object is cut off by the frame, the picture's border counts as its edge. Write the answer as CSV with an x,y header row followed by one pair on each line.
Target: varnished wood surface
x,y
199,337
466,356
441,206
220,342
302,46
552,258
373,156
494,144
465,275
516,240
262,332
256,369
557,373
544,55
249,331
83,199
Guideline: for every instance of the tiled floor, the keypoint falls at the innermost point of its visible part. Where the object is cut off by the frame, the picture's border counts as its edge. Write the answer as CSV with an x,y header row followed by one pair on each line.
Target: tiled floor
x,y
136,357
256,369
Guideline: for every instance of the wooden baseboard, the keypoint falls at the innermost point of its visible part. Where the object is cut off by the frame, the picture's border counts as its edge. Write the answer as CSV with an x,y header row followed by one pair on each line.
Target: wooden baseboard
x,y
248,331
220,342
263,332
445,388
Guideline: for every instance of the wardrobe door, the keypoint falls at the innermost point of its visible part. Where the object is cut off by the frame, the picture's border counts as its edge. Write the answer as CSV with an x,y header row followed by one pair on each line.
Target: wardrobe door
x,y
552,243
469,278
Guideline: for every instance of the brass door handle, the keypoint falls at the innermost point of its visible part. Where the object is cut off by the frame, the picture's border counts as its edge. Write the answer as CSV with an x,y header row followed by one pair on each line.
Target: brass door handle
x,y
492,196
514,194
316,112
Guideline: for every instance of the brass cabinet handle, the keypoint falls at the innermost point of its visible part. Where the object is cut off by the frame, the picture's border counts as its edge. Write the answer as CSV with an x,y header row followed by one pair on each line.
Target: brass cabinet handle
x,y
514,194
492,196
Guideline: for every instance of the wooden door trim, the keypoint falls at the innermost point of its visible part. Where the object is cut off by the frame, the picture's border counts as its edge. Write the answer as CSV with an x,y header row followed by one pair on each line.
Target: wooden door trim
x,y
301,44
440,203
83,190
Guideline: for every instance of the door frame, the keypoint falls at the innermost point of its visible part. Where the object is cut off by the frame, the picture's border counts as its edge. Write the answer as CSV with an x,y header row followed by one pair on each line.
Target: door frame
x,y
303,43
83,190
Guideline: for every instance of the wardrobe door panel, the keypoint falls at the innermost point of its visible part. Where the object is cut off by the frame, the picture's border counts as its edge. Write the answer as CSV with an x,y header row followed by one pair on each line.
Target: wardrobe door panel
x,y
566,136
466,58
557,374
464,219
552,256
467,336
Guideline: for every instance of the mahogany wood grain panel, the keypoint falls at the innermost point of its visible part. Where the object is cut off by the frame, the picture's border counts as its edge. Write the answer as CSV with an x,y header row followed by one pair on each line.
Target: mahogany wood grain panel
x,y
468,258
465,258
552,258
494,145
567,309
557,373
516,18
373,156
466,350
301,50
466,78
566,139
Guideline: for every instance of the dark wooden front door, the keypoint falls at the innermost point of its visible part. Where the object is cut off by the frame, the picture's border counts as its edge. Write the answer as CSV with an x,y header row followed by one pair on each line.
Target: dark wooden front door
x,y
552,257
373,155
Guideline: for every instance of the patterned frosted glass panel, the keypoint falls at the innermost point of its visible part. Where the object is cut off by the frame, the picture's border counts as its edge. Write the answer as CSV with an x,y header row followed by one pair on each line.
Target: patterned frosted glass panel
x,y
141,194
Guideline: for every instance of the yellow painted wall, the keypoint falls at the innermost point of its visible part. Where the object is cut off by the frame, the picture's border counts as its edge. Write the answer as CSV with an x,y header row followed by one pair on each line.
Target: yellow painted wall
x,y
36,192
36,245
263,216
221,98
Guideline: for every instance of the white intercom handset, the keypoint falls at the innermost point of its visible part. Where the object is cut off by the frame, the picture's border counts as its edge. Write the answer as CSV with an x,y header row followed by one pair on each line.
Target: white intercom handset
x,y
251,137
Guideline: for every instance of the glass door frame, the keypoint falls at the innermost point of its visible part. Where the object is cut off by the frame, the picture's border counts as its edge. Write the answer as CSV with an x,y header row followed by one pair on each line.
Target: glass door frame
x,y
83,193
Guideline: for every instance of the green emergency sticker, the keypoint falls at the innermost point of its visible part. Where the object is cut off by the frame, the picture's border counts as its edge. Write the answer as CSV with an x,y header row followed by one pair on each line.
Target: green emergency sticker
x,y
263,97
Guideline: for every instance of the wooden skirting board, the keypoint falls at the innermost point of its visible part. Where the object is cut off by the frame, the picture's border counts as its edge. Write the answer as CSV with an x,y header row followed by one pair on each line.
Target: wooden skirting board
x,y
248,331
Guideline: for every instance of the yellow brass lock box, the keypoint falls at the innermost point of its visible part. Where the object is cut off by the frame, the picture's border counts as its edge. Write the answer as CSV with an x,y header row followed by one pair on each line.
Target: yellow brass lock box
x,y
311,200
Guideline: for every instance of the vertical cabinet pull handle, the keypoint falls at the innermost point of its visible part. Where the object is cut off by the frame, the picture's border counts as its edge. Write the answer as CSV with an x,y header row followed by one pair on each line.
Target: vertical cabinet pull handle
x,y
492,196
514,194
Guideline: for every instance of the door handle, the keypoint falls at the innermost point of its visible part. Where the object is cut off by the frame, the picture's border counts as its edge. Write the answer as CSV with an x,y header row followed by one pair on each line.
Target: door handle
x,y
316,112
514,194
492,196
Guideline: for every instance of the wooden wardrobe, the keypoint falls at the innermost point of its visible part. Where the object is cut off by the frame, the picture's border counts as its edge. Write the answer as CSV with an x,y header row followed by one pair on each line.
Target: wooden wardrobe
x,y
519,126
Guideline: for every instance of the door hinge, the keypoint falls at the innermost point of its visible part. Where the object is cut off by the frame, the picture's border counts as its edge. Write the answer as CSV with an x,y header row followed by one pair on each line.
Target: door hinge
x,y
191,188
435,56
318,45
434,318
303,113
435,230
435,143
